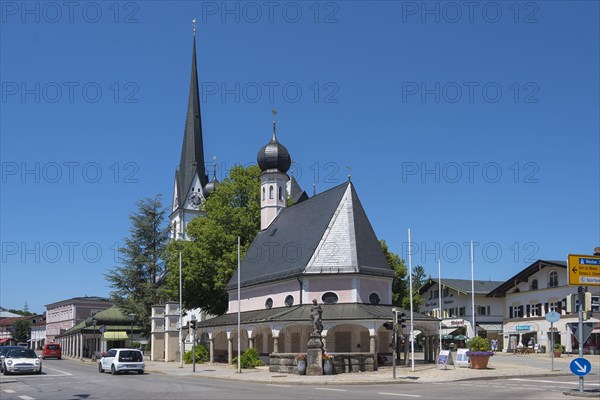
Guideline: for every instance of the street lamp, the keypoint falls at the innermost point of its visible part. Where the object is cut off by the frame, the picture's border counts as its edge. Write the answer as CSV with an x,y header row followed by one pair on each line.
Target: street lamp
x,y
131,318
94,322
193,324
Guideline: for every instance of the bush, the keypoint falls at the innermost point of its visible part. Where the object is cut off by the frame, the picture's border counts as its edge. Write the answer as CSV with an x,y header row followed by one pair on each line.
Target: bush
x,y
478,343
559,347
201,355
249,359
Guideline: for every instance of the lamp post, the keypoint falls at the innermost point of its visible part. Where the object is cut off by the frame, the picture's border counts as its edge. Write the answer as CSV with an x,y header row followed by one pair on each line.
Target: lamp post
x,y
94,322
131,318
193,324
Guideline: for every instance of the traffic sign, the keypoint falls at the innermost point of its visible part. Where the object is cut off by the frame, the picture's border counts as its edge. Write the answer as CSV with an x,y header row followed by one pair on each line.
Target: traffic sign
x,y
553,316
580,366
584,270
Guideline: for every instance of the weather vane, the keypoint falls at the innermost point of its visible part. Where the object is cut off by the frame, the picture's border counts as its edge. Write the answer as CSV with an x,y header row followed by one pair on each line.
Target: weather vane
x,y
274,112
194,22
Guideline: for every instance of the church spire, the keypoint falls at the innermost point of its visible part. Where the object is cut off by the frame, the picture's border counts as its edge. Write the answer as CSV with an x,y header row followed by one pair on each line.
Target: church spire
x,y
192,151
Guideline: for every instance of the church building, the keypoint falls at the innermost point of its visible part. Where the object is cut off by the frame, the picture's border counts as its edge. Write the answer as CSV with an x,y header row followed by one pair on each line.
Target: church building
x,y
320,248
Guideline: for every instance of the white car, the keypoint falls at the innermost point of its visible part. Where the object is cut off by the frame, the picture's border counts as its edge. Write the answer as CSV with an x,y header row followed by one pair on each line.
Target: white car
x,y
21,360
122,360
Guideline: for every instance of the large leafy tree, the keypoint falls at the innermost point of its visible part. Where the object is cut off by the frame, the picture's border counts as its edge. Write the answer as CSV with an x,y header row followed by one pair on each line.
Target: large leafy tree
x,y
401,285
137,283
21,330
209,259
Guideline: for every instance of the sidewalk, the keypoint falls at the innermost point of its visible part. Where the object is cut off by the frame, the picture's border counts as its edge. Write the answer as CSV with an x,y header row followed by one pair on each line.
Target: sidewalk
x,y
502,365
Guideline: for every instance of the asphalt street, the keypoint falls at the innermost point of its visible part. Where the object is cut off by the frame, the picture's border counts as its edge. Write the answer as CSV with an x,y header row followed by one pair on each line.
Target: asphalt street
x,y
69,380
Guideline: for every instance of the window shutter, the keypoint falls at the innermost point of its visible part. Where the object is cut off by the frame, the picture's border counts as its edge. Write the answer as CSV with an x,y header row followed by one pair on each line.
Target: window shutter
x,y
510,312
521,311
546,308
528,310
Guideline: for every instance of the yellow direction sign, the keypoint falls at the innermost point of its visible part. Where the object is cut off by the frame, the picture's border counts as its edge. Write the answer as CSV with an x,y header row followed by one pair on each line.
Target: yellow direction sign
x,y
584,270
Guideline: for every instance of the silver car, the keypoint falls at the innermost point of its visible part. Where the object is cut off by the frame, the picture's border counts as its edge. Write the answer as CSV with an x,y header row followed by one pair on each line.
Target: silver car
x,y
122,360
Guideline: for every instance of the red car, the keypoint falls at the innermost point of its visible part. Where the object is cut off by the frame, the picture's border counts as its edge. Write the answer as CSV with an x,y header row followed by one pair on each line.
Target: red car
x,y
51,350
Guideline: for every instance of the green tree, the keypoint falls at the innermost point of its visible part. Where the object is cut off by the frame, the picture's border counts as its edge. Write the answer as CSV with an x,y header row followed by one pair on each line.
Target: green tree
x,y
209,259
137,283
400,287
21,330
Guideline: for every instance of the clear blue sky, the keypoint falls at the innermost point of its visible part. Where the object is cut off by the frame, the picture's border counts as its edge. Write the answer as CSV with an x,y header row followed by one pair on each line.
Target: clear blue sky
x,y
460,123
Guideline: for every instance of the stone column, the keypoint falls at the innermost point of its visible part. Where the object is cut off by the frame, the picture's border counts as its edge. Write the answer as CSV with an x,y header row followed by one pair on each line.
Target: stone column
x,y
212,350
426,349
229,350
275,344
250,342
324,339
372,348
81,345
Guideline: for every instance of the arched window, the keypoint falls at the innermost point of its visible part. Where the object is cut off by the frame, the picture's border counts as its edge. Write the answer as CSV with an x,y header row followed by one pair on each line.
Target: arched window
x,y
263,193
553,279
533,284
280,193
271,192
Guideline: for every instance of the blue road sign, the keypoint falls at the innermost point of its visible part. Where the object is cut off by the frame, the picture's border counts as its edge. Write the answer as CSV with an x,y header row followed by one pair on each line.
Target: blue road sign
x,y
552,316
580,366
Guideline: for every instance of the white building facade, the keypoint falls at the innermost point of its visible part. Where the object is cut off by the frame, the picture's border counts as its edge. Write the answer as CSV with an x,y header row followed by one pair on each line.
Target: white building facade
x,y
532,293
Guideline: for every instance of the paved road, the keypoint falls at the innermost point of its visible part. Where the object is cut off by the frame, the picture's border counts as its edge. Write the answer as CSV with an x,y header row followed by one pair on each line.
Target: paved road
x,y
68,380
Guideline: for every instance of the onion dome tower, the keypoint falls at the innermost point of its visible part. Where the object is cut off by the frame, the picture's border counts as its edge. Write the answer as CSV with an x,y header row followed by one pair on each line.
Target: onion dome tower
x,y
210,187
274,162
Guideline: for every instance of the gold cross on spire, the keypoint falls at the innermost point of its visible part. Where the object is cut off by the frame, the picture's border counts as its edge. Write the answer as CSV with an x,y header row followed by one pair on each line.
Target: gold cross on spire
x,y
194,24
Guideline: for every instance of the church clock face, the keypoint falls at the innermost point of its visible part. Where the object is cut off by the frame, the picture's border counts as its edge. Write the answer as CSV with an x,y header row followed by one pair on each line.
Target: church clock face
x,y
195,200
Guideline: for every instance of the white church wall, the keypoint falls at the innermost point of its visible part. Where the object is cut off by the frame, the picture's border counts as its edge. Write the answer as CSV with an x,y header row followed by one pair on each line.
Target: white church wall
x,y
374,285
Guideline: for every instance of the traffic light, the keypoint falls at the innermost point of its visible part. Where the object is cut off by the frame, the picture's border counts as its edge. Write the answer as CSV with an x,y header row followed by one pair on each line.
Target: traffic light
x,y
401,318
571,301
388,325
193,324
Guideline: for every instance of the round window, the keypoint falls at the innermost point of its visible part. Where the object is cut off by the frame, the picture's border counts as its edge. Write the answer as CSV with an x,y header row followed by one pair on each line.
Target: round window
x,y
329,298
374,298
289,300
269,303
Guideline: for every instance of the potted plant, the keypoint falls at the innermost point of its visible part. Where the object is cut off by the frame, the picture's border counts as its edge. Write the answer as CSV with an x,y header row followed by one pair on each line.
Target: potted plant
x,y
327,363
301,362
479,352
558,349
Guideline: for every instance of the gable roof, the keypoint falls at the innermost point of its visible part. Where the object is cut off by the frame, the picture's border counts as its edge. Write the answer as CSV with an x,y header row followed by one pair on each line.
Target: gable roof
x,y
462,285
288,245
524,275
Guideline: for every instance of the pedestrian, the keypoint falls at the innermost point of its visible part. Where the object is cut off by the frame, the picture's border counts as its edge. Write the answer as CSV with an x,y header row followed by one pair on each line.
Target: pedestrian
x,y
494,345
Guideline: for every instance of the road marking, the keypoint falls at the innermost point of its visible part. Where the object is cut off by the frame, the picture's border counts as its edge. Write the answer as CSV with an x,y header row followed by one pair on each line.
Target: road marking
x,y
9,391
333,390
272,384
399,394
26,398
545,381
58,370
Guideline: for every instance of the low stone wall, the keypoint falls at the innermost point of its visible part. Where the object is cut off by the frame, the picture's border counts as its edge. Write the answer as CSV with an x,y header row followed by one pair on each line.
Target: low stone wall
x,y
342,362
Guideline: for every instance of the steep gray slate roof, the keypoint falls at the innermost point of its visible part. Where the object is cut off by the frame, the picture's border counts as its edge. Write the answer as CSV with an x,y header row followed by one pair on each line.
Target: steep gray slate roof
x,y
301,313
463,285
192,153
297,195
286,247
524,275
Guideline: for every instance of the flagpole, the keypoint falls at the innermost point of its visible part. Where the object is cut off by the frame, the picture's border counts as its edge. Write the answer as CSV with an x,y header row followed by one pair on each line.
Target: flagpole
x,y
180,315
412,338
239,366
473,289
440,299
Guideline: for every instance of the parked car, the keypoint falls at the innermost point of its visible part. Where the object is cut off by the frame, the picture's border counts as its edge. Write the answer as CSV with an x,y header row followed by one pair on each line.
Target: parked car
x,y
51,350
3,351
122,360
21,360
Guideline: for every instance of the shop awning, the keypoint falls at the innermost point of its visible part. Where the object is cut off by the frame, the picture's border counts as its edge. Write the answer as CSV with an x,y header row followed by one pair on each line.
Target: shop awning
x,y
491,327
4,340
449,331
115,335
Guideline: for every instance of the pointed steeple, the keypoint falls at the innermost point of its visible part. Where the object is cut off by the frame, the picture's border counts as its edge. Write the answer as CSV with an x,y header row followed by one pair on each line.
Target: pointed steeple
x,y
192,150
